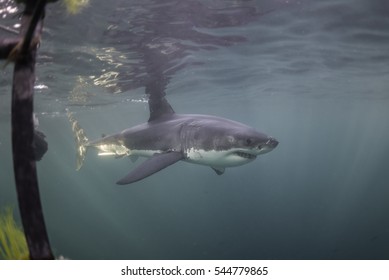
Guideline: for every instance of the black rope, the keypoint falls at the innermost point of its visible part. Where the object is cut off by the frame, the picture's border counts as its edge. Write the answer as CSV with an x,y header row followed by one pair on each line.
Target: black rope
x,y
23,138
36,17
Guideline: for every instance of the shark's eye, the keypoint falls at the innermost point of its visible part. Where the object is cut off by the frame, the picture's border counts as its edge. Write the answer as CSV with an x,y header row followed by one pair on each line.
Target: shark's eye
x,y
260,147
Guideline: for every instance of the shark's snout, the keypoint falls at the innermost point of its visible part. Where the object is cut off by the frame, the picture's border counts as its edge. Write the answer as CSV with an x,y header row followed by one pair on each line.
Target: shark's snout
x,y
272,142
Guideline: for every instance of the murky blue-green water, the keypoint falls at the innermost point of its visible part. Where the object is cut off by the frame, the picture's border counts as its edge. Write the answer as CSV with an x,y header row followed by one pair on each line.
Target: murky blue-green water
x,y
313,74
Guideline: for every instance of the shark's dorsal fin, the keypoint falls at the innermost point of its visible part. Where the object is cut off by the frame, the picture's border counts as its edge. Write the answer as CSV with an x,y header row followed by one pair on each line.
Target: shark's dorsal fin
x,y
159,107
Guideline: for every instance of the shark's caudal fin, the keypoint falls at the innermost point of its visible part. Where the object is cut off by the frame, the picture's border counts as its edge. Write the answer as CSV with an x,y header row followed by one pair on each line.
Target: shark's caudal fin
x,y
81,139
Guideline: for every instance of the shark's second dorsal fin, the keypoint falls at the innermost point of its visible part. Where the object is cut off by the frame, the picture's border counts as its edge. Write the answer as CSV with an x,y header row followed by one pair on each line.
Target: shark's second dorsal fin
x,y
159,107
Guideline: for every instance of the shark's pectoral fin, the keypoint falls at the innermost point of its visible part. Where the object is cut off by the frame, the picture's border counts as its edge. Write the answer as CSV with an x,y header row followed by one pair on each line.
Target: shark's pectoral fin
x,y
219,170
152,165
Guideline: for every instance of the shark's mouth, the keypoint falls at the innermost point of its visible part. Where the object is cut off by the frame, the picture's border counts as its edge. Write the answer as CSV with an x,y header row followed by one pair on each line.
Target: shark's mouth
x,y
246,155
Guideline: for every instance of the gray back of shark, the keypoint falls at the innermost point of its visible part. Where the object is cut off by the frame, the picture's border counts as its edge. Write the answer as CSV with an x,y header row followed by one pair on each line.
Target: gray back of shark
x,y
168,137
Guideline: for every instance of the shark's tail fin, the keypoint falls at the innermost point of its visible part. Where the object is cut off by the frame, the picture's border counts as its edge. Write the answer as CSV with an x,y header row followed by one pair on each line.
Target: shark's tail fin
x,y
81,139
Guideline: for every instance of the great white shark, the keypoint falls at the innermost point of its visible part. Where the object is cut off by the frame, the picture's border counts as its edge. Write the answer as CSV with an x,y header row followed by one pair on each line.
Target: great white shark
x,y
167,138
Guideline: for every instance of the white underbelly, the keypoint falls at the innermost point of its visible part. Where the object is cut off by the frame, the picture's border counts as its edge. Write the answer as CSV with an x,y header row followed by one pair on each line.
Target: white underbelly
x,y
215,158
